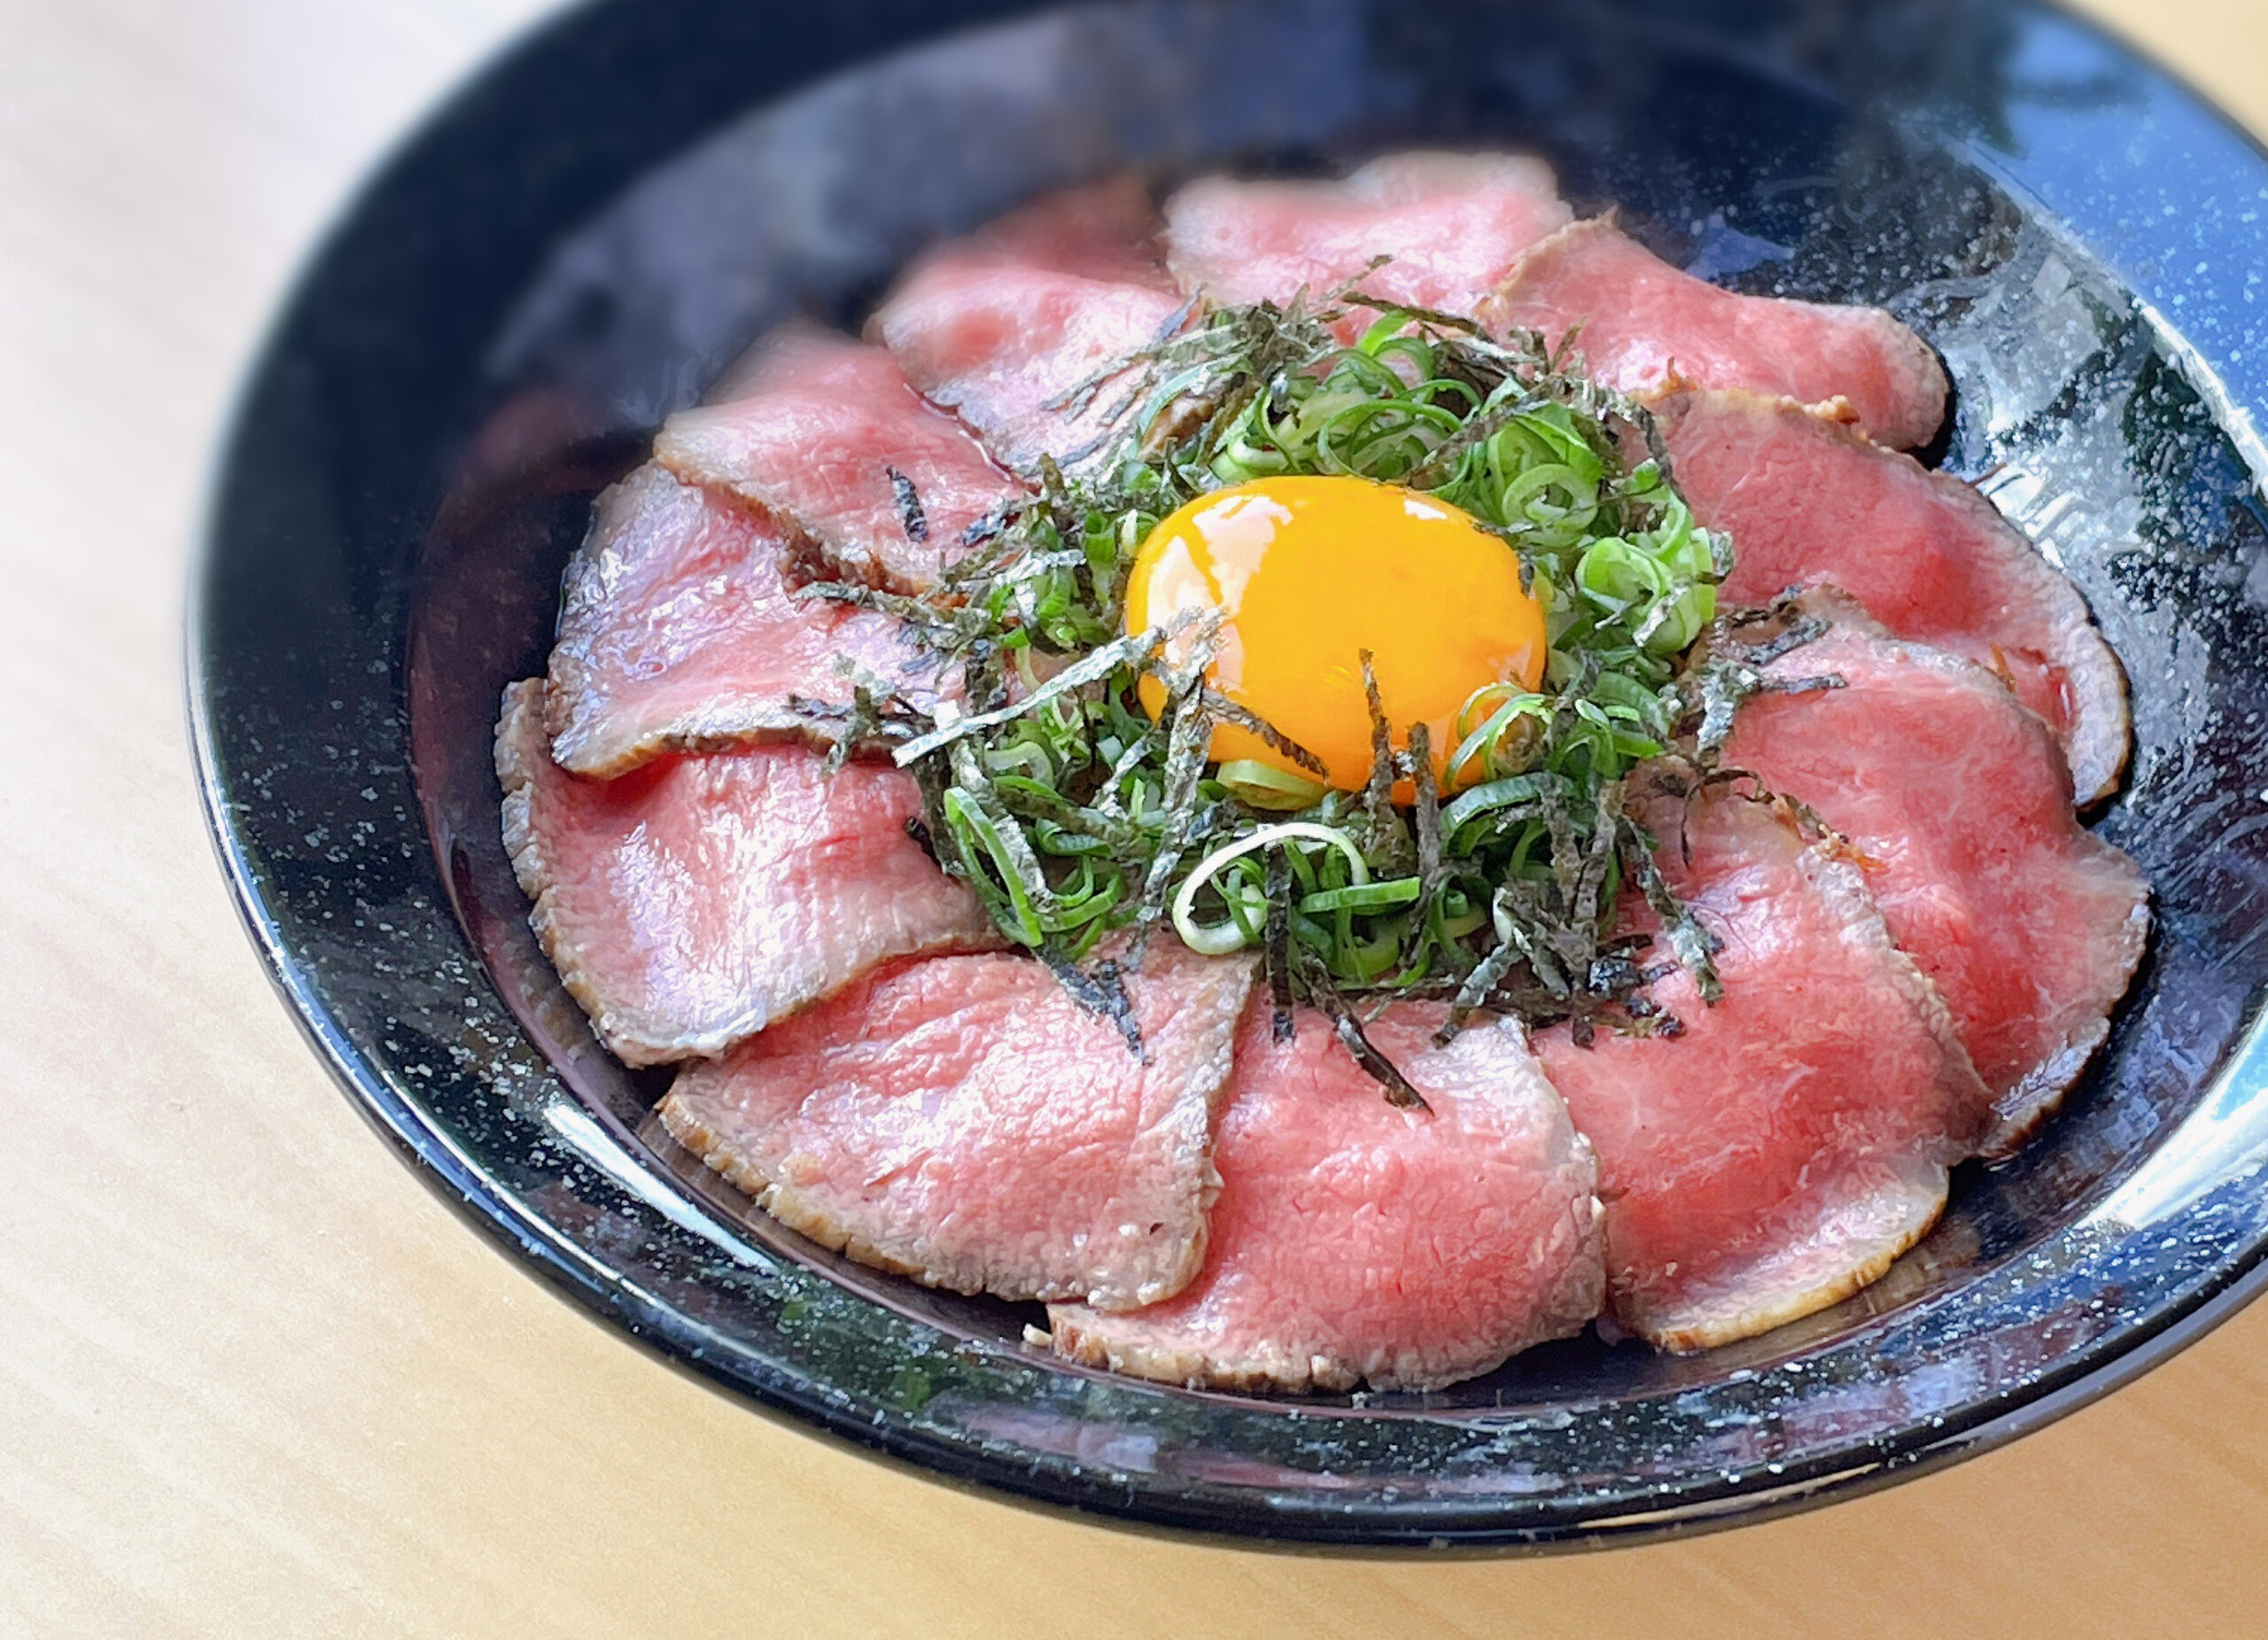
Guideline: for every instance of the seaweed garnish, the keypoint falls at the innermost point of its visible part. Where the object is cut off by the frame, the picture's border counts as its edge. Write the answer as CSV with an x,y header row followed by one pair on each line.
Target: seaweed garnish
x,y
1187,743
875,722
1726,670
915,521
1227,711
1695,947
1387,841
859,727
918,829
1384,1071
1326,997
1102,991
1425,816
1276,958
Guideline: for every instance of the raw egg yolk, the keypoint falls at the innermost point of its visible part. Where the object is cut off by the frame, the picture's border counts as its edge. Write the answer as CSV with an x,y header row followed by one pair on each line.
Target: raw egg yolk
x,y
1305,573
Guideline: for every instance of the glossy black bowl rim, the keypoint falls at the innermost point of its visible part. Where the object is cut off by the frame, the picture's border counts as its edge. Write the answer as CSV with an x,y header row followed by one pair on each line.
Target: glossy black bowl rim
x,y
460,1182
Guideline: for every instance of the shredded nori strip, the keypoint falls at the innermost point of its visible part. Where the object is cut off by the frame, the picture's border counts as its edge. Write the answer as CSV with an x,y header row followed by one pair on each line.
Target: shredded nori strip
x,y
942,629
909,506
1389,839
1478,987
862,723
1694,945
1278,960
1726,671
1381,1070
1325,996
1089,669
1186,744
1282,745
1103,992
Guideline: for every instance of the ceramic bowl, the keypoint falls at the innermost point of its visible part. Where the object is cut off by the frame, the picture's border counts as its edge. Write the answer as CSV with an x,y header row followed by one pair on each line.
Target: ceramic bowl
x,y
585,235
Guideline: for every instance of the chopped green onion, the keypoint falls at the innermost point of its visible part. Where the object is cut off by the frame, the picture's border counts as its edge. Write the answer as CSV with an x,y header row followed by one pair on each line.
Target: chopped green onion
x,y
1218,939
1073,815
1265,786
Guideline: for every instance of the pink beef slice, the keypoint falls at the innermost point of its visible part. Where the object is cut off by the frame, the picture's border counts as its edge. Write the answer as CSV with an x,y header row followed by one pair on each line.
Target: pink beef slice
x,y
1955,796
696,900
818,428
1646,325
1009,325
1454,224
1778,1153
963,1120
1011,348
677,632
1808,500
1107,230
1355,1241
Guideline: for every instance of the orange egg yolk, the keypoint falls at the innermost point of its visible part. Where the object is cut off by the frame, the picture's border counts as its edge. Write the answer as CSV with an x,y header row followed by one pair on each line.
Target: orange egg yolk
x,y
1305,573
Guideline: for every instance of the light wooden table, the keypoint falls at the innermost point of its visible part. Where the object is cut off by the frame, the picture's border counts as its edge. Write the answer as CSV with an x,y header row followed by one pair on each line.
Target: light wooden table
x,y
253,1380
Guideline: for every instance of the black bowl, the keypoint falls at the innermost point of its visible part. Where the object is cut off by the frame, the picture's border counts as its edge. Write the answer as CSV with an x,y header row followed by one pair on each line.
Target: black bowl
x,y
586,234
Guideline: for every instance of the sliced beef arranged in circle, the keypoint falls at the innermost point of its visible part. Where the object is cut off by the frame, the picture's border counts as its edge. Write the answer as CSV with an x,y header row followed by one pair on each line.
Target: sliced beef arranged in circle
x,y
1452,224
693,901
1354,1242
1956,798
1024,327
964,1121
1775,1155
1645,326
826,435
679,632
1219,1208
1808,500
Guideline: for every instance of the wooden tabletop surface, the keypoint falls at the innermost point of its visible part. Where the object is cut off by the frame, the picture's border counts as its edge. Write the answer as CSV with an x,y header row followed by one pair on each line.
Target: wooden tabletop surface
x,y
253,1380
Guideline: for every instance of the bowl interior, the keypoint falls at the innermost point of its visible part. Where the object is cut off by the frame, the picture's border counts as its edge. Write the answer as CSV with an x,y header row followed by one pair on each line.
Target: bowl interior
x,y
1864,164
